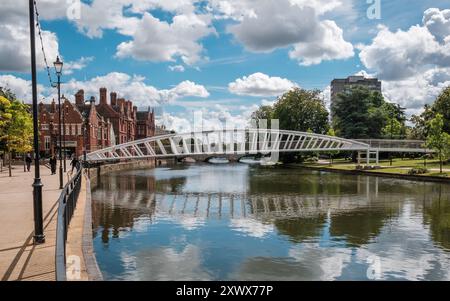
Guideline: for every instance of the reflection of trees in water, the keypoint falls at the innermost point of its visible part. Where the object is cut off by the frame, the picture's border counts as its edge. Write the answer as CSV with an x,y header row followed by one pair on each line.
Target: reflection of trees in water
x,y
301,229
172,185
437,215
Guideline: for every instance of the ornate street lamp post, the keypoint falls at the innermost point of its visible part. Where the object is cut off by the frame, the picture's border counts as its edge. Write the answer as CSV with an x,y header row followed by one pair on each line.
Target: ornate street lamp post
x,y
58,67
39,237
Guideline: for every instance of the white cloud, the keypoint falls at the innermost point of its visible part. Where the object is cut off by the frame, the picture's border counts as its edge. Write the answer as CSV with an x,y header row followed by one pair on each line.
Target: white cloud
x,y
260,84
157,40
20,87
79,64
437,22
414,64
176,68
15,35
130,87
285,23
332,46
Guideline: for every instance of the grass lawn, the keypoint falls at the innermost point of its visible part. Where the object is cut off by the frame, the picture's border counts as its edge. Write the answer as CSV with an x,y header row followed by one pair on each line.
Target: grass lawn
x,y
399,166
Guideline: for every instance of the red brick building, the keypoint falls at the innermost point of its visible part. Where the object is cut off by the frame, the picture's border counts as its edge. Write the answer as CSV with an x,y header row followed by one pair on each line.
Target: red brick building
x,y
128,123
78,118
105,124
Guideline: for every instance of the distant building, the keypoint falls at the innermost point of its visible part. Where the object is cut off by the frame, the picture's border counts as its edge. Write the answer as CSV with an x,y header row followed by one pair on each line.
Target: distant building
x,y
339,85
97,128
106,124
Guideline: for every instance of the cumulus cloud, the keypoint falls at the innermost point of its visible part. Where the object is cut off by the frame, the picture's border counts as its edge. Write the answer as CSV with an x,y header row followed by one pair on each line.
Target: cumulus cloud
x,y
216,117
156,40
130,87
414,64
285,23
15,34
260,84
21,87
331,46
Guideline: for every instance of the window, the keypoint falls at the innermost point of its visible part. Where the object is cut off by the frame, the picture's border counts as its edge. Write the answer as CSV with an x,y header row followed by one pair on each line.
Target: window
x,y
47,143
44,127
74,129
80,129
67,129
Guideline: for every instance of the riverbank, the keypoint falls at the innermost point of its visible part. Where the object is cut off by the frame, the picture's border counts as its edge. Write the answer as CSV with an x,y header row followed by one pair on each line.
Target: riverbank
x,y
79,246
398,169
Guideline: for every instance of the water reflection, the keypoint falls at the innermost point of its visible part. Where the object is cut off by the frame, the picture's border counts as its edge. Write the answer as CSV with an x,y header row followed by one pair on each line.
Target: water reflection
x,y
238,222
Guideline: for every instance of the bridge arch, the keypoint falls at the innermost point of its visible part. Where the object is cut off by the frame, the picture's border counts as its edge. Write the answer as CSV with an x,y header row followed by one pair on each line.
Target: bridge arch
x,y
227,142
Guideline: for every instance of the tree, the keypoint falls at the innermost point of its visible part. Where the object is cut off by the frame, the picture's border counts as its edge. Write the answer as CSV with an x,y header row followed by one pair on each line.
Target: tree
x,y
263,113
422,122
442,106
17,130
300,110
332,153
359,113
438,139
393,129
297,110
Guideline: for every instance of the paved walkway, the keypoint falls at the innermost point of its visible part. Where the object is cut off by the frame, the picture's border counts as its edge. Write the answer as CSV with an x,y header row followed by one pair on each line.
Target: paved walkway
x,y
19,258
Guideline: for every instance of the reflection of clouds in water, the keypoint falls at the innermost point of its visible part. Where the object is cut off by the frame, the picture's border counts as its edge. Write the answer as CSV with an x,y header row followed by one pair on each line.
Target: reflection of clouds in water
x,y
166,264
406,251
218,178
251,227
189,222
327,262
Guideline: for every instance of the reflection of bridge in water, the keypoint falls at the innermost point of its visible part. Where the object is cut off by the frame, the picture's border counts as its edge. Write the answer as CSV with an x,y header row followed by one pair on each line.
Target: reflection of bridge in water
x,y
263,207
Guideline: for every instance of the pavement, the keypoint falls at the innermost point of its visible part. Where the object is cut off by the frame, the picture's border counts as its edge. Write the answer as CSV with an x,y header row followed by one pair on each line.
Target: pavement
x,y
20,259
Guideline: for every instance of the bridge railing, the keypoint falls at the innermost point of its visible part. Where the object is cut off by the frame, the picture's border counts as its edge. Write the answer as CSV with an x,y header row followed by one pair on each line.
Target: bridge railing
x,y
66,207
394,144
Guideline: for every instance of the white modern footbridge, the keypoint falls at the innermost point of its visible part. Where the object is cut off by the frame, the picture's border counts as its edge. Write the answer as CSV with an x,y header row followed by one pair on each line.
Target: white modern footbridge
x,y
248,142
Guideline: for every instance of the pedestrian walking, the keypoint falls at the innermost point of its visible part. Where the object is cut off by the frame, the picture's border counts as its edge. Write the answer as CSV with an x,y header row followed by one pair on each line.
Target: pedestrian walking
x,y
53,162
28,161
75,163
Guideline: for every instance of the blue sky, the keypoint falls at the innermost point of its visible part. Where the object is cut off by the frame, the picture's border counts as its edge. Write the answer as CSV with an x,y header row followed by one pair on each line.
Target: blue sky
x,y
230,56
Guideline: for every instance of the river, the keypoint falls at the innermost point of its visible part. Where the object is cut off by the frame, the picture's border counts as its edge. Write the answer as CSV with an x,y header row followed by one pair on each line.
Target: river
x,y
249,222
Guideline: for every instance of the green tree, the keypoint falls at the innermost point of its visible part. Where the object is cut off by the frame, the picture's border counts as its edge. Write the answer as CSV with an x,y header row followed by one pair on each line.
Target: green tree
x,y
332,153
442,106
393,129
263,113
17,131
438,139
359,113
300,110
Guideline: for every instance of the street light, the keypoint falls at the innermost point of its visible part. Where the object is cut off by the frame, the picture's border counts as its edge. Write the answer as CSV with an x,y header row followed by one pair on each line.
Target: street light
x,y
58,68
39,237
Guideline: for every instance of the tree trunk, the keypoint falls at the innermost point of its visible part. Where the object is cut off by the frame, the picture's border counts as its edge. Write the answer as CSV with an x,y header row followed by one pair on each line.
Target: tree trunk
x,y
10,168
24,163
440,161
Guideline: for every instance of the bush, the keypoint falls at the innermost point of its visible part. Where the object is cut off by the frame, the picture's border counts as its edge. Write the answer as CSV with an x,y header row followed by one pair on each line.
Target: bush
x,y
417,171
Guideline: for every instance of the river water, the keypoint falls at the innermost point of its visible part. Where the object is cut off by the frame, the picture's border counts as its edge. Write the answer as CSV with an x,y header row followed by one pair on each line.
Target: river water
x,y
249,222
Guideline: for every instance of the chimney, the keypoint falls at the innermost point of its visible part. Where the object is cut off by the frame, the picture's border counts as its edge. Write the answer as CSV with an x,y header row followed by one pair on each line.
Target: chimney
x,y
79,97
121,104
103,96
113,98
53,106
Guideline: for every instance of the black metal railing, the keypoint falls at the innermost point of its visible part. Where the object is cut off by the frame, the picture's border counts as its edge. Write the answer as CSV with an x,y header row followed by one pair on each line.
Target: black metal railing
x,y
66,206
